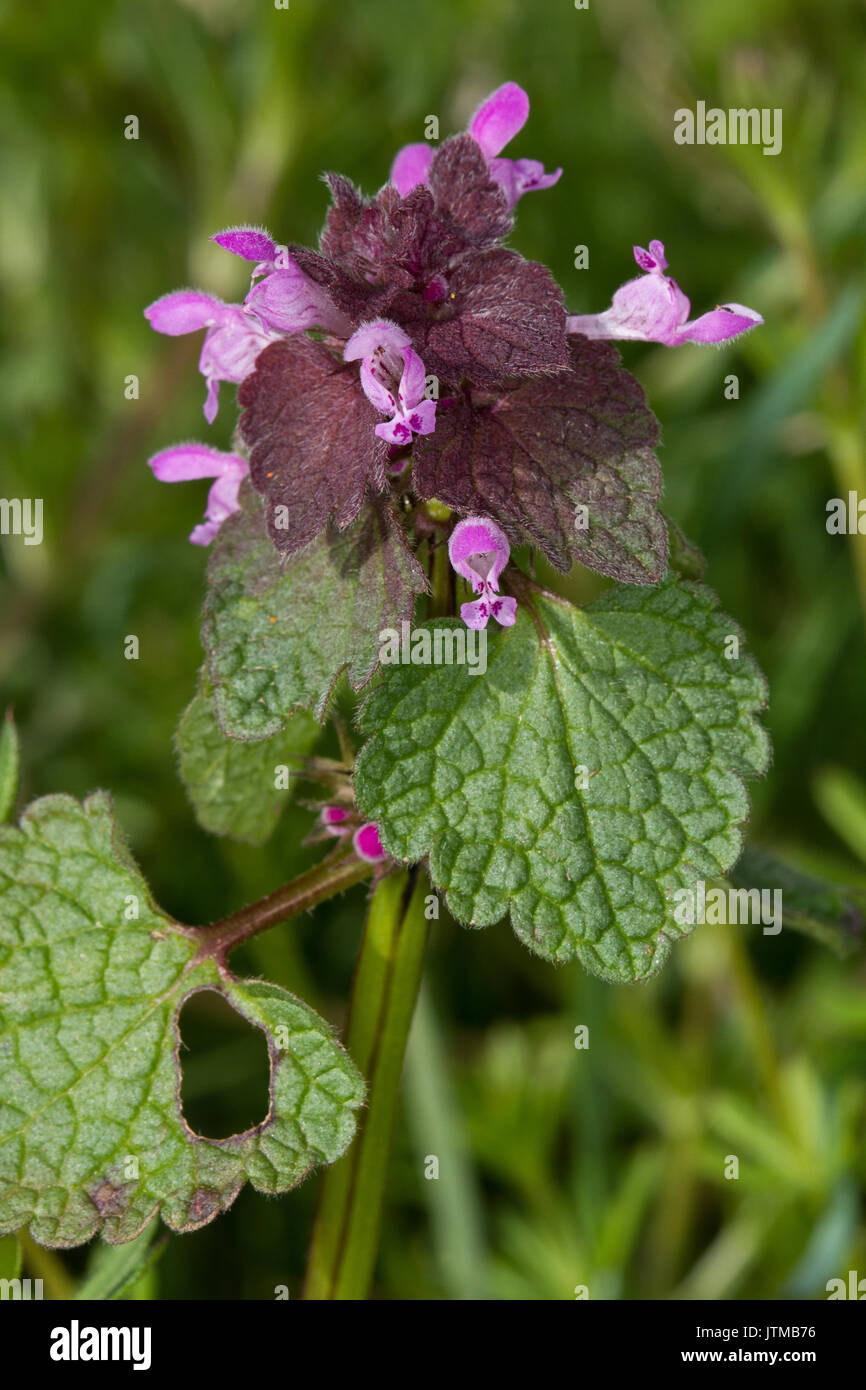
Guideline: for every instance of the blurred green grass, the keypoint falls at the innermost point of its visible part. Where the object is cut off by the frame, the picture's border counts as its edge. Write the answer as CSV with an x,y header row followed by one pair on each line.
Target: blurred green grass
x,y
559,1167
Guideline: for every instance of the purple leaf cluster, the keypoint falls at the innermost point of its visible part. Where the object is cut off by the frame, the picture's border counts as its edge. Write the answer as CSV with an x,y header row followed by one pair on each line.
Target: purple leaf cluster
x,y
414,355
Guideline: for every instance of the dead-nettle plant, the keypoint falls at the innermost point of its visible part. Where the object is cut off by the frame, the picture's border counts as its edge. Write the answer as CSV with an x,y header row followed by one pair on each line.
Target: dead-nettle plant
x,y
415,401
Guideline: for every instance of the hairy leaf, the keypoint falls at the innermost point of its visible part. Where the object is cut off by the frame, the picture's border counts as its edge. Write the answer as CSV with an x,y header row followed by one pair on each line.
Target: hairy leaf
x,y
469,203
375,242
566,462
91,1132
313,452
503,318
338,241
595,767
230,782
372,249
278,633
367,247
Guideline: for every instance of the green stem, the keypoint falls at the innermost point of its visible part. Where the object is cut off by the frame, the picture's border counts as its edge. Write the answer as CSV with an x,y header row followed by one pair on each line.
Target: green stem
x,y
387,977
336,873
441,576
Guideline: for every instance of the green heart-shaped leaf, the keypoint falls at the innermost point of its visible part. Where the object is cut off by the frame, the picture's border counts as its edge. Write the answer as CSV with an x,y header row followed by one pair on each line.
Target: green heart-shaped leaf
x,y
595,767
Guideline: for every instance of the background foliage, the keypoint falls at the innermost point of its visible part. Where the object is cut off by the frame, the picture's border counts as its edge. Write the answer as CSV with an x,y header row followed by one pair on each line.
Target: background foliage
x,y
557,1167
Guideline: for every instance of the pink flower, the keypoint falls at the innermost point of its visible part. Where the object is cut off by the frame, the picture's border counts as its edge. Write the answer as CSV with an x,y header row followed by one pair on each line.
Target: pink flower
x,y
232,341
393,378
495,123
184,462
653,309
367,845
253,244
336,820
479,551
332,818
285,301
288,301
411,167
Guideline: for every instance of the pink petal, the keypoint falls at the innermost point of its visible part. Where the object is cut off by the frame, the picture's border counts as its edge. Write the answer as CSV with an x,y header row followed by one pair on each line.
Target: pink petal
x,y
288,301
394,431
652,260
518,176
184,462
222,499
475,615
644,259
229,352
204,533
375,391
499,118
251,243
645,309
331,818
720,324
411,166
422,417
504,611
477,535
653,309
681,300
378,333
367,844
185,311
413,382
211,400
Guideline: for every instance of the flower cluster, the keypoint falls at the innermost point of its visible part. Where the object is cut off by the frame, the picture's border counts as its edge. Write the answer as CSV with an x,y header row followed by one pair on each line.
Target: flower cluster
x,y
413,352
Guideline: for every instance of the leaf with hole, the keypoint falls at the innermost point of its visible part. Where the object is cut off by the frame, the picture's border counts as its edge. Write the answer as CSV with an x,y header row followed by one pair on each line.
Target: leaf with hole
x,y
92,977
